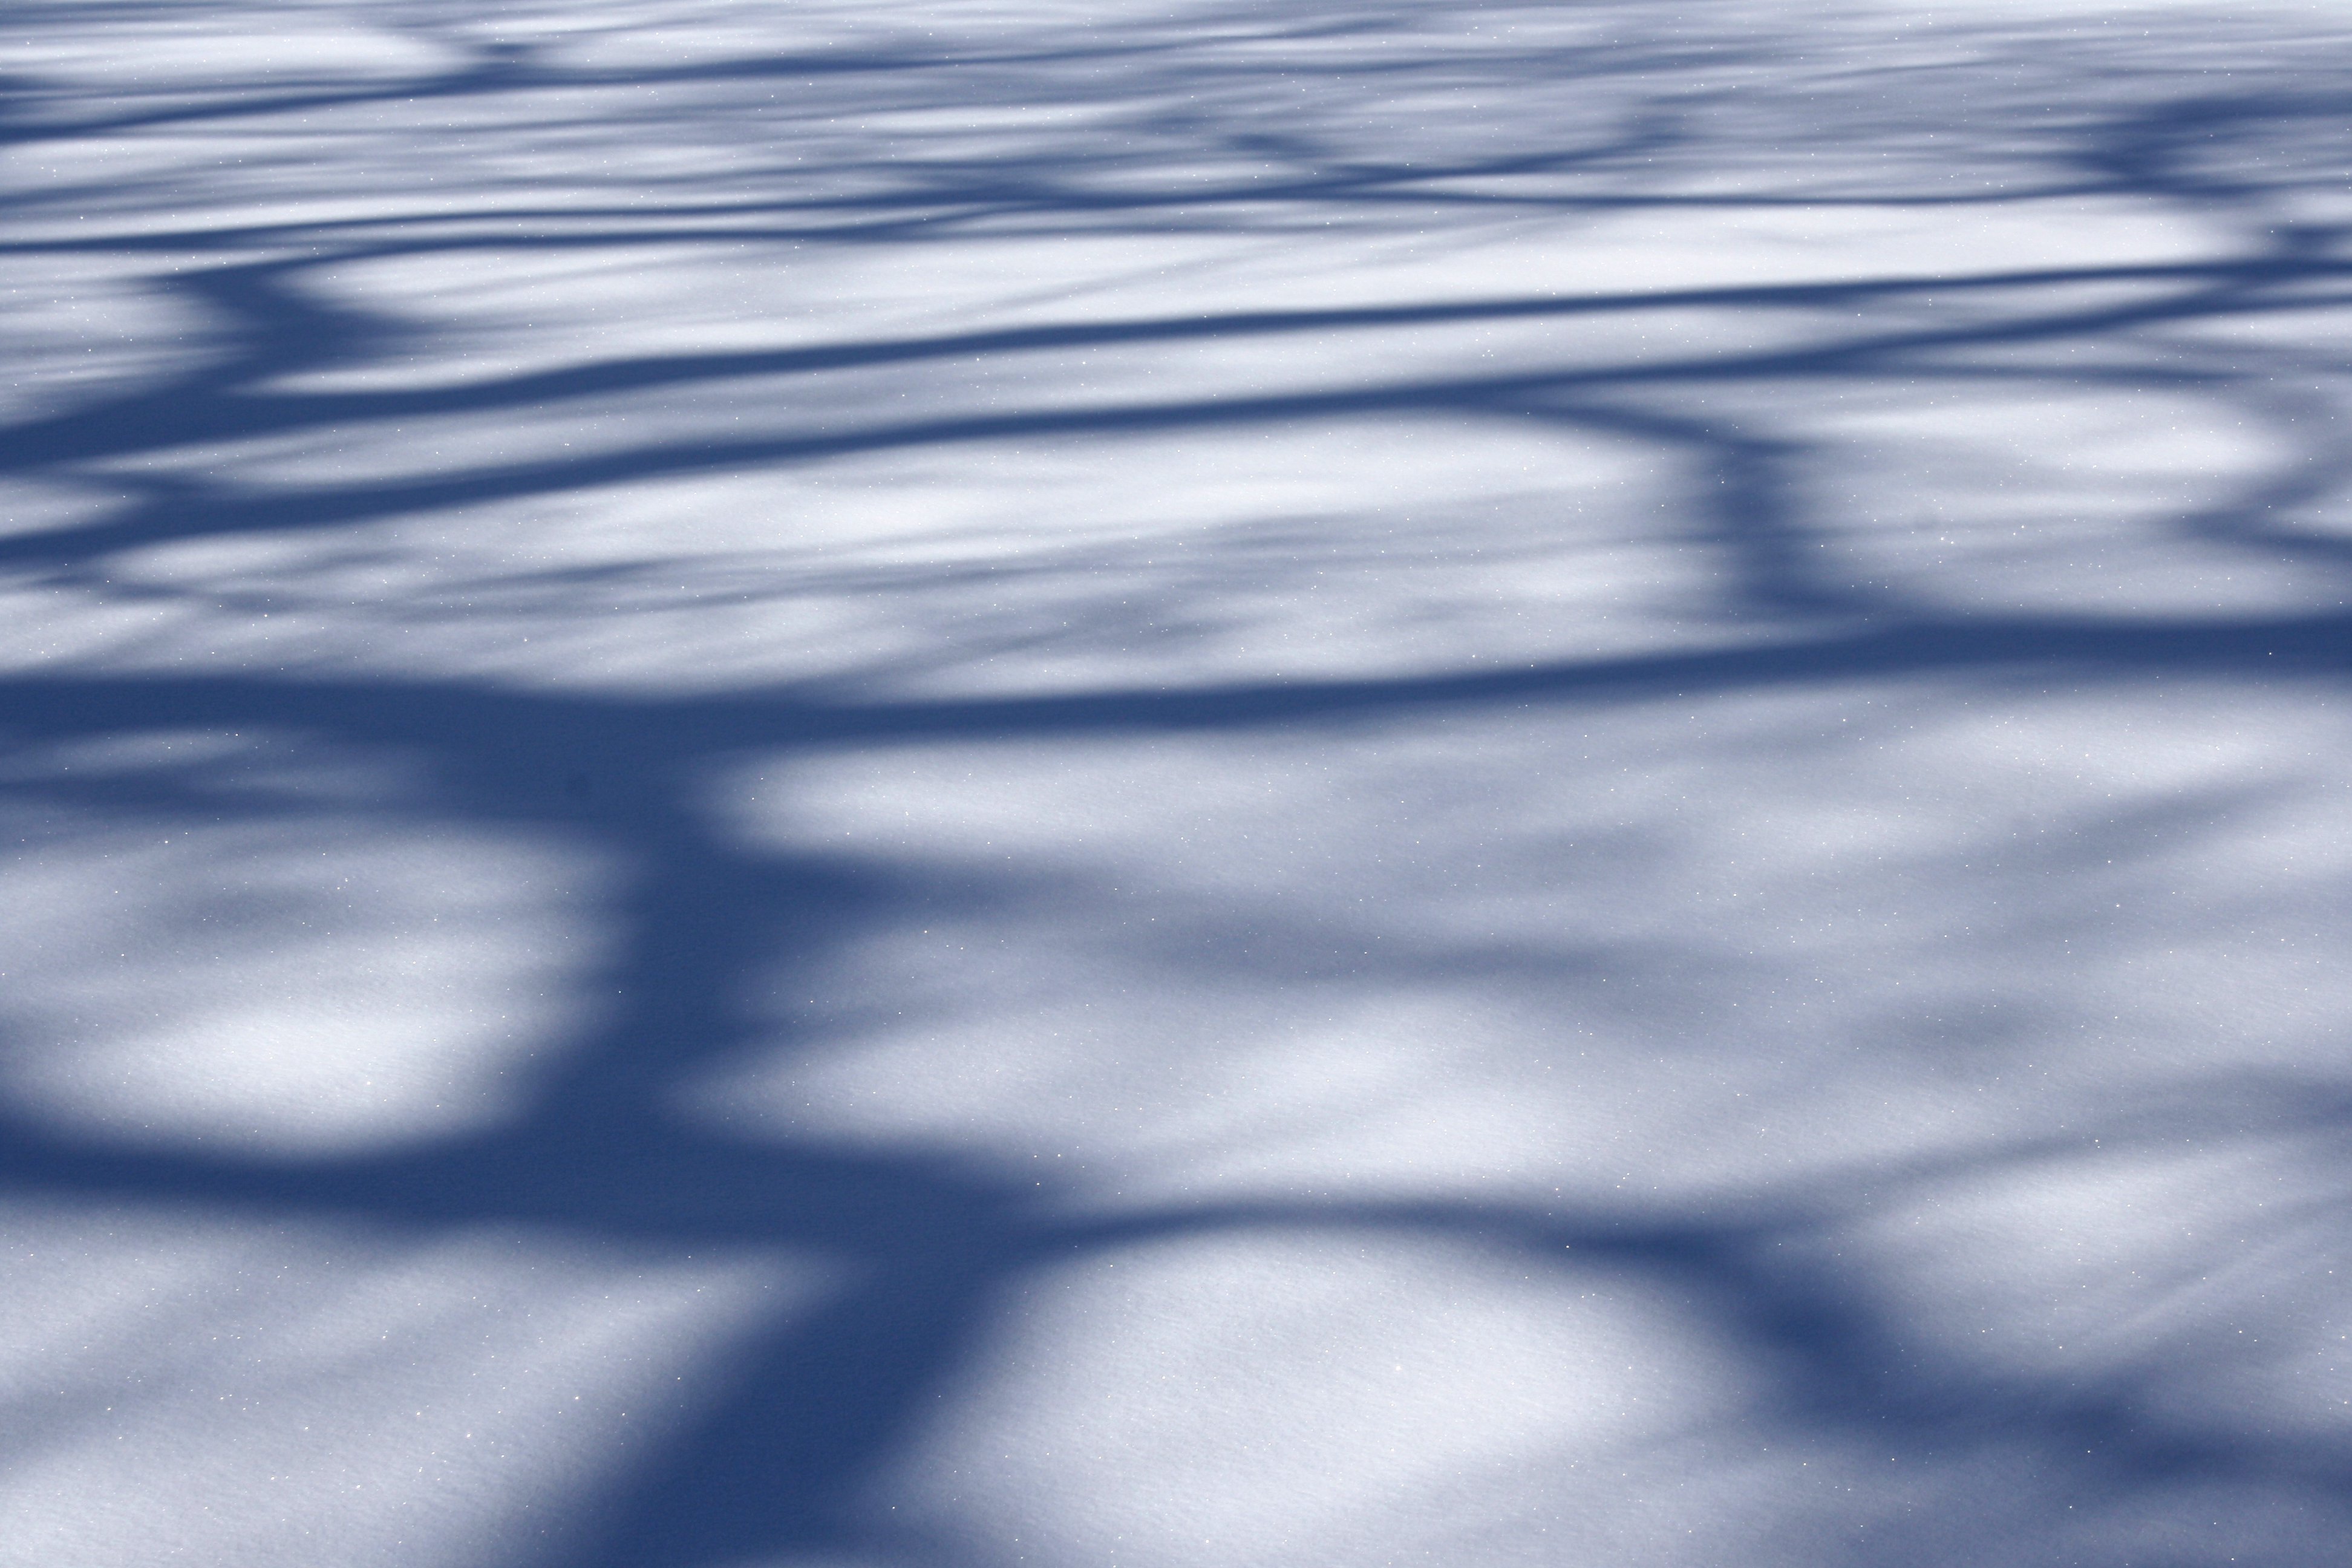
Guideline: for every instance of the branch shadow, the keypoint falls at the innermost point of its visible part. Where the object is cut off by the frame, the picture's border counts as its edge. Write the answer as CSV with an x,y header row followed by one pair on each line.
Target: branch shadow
x,y
786,1462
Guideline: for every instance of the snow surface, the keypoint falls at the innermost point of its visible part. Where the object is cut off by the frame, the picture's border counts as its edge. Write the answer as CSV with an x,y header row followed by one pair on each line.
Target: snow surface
x,y
1175,784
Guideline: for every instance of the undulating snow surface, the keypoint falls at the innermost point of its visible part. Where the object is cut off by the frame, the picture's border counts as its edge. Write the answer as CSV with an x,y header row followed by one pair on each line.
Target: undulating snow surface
x,y
1177,786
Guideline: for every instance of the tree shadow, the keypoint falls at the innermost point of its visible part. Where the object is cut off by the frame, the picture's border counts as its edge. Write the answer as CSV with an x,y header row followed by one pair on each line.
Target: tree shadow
x,y
815,1413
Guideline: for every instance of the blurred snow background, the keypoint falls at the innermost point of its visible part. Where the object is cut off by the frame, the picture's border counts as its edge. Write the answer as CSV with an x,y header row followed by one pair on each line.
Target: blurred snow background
x,y
1170,784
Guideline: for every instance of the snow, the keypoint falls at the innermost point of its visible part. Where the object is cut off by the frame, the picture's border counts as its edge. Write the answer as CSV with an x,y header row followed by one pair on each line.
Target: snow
x,y
1174,784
